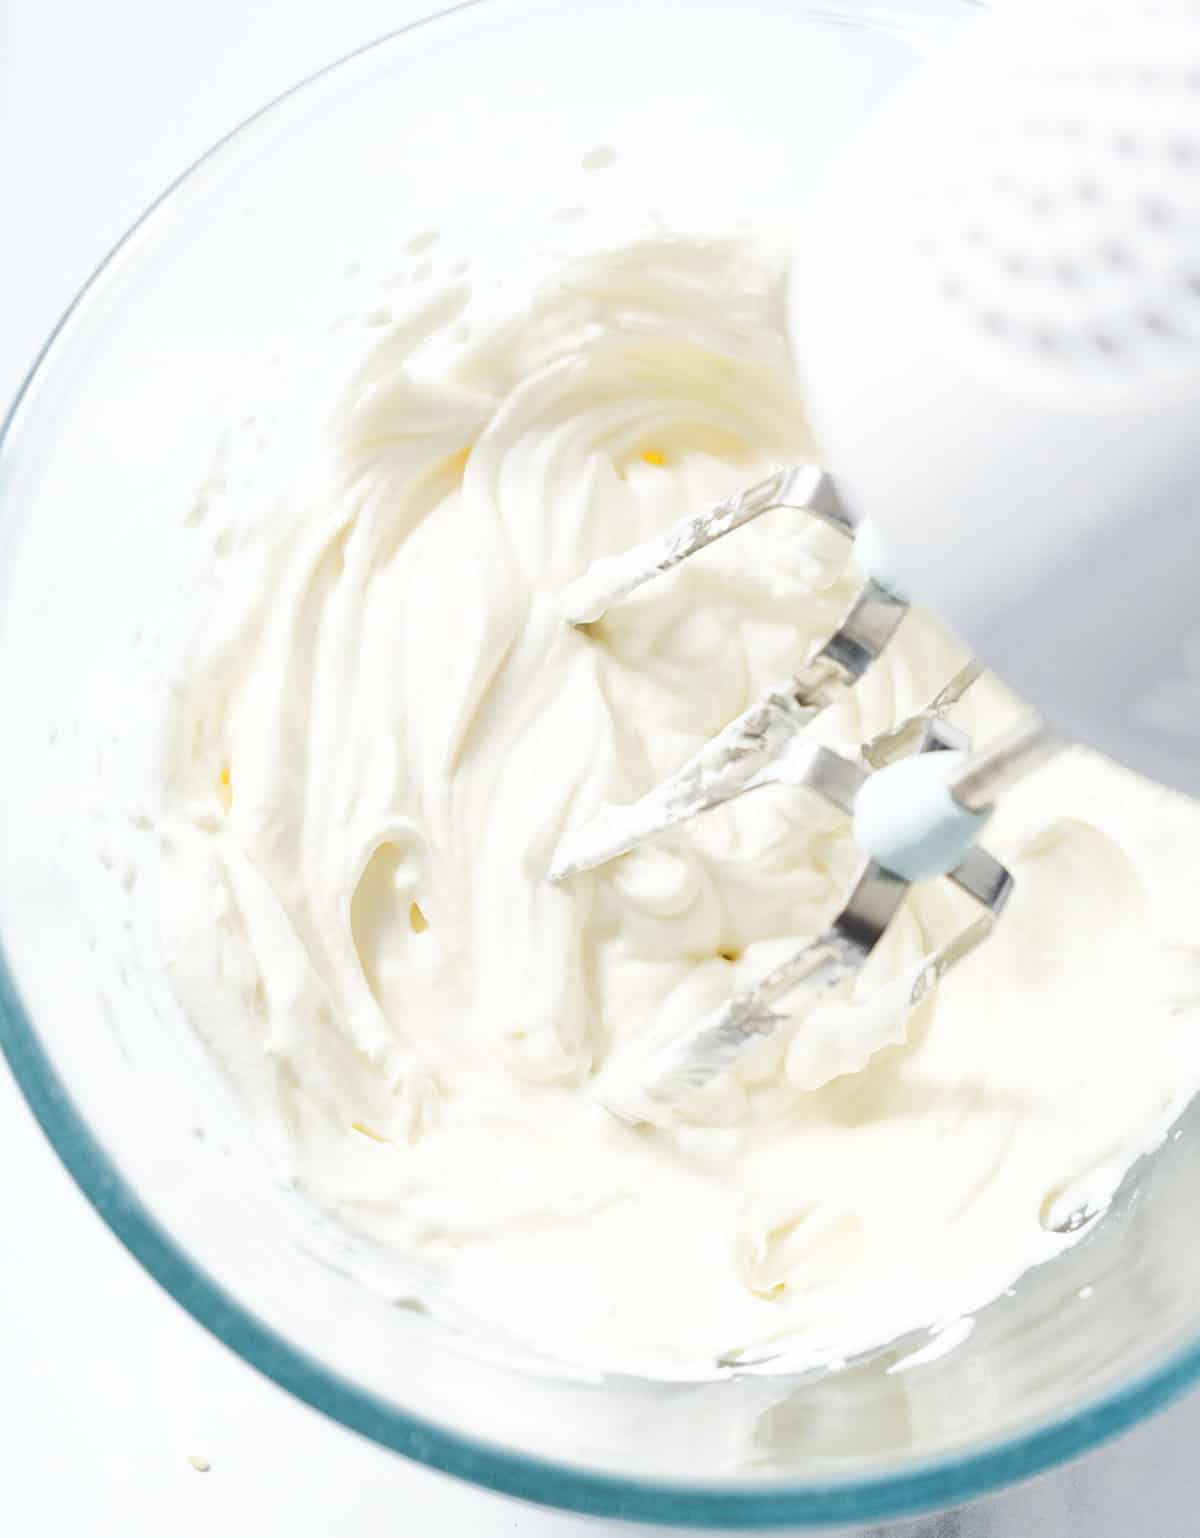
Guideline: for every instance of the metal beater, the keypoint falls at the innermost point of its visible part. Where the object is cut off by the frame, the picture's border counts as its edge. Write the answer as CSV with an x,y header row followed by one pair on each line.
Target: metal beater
x,y
916,798
995,308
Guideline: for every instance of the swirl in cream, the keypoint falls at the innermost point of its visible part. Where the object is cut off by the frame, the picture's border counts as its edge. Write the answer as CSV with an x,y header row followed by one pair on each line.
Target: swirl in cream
x,y
388,727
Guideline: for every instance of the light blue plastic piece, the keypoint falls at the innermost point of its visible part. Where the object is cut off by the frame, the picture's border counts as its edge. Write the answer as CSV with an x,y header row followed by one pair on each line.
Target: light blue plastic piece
x,y
906,819
870,552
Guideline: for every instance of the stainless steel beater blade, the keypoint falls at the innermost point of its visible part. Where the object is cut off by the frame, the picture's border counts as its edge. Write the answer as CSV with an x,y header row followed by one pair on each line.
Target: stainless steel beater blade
x,y
805,488
906,737
674,1071
739,756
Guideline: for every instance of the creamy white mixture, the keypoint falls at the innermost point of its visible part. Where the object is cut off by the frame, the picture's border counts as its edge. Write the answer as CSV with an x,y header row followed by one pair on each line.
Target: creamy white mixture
x,y
387,729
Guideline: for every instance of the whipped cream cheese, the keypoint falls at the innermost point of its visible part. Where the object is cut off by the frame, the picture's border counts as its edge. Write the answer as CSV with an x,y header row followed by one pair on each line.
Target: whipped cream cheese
x,y
387,727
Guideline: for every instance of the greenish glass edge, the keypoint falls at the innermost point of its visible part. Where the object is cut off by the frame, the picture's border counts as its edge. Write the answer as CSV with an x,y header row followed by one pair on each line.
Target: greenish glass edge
x,y
934,1485
940,1484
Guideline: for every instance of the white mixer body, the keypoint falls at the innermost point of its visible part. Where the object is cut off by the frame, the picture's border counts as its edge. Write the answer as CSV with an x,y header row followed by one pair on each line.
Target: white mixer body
x,y
997,319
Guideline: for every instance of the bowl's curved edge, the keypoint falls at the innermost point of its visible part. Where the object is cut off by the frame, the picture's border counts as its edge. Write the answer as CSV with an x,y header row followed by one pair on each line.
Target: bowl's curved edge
x,y
935,1485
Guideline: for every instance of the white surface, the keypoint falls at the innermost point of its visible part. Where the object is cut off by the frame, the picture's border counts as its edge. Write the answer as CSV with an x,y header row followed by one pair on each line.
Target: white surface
x,y
107,1385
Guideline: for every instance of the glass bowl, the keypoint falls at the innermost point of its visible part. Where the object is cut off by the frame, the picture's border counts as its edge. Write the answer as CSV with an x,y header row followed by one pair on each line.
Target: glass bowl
x,y
482,124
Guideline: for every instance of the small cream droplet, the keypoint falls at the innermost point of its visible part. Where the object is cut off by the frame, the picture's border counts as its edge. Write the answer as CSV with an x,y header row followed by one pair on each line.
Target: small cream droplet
x,y
599,159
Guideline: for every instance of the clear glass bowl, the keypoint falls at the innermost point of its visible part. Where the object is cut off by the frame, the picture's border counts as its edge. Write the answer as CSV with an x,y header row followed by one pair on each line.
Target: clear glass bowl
x,y
719,113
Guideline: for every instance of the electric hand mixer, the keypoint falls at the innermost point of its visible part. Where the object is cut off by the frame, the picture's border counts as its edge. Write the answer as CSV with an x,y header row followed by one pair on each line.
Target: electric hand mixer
x,y
997,318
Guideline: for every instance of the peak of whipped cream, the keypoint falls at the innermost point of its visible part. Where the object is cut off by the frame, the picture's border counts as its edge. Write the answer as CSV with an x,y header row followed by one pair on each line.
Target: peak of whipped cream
x,y
386,728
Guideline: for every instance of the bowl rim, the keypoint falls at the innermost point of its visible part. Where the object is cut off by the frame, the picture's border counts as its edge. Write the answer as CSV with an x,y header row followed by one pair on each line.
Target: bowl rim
x,y
939,1482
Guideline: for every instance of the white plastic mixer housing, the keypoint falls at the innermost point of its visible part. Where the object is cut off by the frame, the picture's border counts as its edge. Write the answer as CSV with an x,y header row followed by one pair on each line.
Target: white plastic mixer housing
x,y
997,318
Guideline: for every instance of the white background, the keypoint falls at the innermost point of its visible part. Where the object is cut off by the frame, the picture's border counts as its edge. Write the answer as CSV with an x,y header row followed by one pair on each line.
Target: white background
x,y
106,1386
